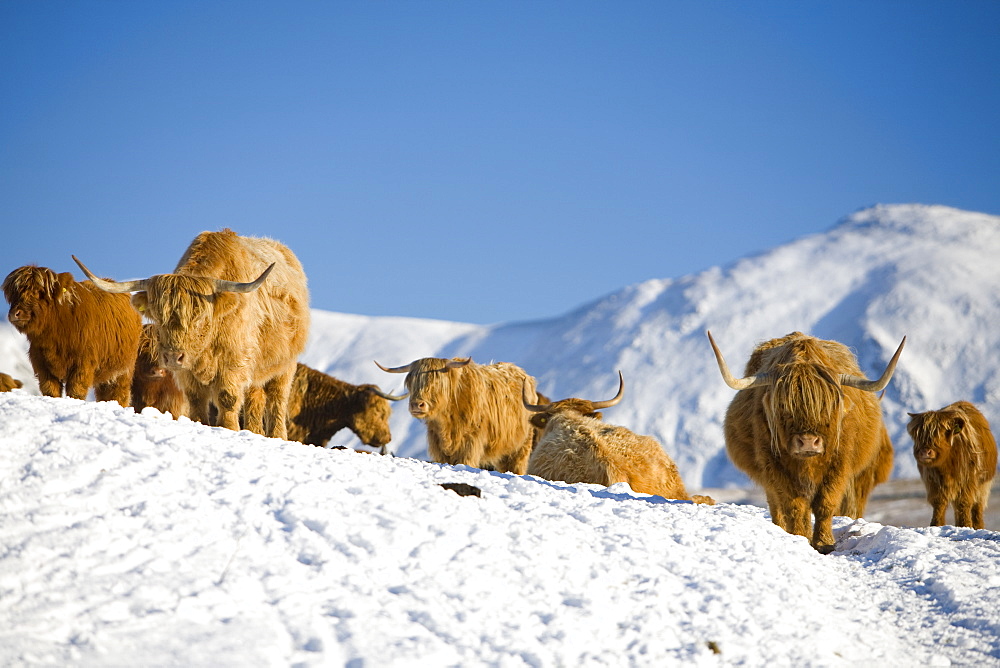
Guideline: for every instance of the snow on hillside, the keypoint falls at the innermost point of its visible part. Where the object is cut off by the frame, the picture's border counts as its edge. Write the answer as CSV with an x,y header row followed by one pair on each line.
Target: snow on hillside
x,y
927,272
138,540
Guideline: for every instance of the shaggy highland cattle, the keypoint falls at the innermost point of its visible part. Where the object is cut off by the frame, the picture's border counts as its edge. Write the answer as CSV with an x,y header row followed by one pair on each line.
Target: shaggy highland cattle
x,y
320,405
78,336
576,446
806,426
957,458
153,384
473,412
7,383
231,322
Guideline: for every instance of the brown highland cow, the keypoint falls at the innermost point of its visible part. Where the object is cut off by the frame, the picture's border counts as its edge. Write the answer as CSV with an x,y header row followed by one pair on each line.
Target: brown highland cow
x,y
806,426
576,446
957,458
231,322
473,412
78,336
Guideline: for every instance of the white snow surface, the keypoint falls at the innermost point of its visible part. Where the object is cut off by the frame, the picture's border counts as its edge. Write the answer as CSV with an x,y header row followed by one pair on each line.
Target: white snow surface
x,y
139,540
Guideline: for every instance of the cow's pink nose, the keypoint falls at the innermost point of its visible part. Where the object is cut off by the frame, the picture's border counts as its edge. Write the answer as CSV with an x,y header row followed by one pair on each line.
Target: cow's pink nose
x,y
807,445
172,358
418,406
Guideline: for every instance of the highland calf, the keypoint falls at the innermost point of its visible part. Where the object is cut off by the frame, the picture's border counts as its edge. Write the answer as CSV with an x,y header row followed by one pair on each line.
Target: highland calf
x,y
320,405
473,412
7,383
957,458
806,426
153,384
231,322
576,446
78,336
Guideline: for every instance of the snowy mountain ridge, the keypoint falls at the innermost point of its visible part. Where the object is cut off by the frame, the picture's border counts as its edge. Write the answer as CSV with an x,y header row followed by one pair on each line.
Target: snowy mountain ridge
x,y
926,272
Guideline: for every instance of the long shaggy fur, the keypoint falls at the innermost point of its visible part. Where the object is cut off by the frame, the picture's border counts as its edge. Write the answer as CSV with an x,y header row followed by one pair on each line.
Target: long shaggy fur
x,y
153,384
476,414
320,405
79,336
806,398
957,458
576,447
240,349
7,383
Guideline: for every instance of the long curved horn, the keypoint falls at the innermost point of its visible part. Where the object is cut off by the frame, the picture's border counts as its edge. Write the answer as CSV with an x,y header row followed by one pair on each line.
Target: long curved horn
x,y
732,381
598,405
395,369
526,400
390,397
111,286
233,286
862,383
457,364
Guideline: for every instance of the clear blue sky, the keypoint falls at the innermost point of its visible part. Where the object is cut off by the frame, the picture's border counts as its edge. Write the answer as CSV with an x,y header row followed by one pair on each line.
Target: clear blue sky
x,y
482,161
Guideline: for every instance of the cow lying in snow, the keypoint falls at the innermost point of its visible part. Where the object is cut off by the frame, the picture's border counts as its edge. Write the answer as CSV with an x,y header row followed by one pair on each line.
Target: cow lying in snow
x,y
576,446
7,383
957,458
79,337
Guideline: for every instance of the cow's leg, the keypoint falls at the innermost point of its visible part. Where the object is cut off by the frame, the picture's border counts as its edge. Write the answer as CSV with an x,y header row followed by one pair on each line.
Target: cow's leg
x,y
939,504
276,403
197,397
253,410
963,510
229,402
78,383
48,384
516,462
119,389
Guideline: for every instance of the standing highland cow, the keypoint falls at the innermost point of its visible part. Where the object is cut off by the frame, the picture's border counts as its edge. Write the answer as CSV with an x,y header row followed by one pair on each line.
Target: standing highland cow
x,y
957,458
79,337
320,405
806,426
473,412
231,322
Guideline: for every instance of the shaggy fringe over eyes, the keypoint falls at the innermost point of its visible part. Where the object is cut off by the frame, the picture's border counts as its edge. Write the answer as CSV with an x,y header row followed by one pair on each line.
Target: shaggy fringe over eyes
x,y
182,296
810,394
925,425
30,279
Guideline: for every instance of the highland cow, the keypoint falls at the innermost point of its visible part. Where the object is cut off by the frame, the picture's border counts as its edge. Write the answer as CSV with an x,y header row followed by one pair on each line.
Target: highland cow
x,y
231,322
320,405
806,426
78,336
576,446
153,384
473,412
957,458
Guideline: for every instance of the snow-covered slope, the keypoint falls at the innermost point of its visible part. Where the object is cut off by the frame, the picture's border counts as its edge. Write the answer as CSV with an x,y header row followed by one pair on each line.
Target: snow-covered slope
x,y
927,272
137,540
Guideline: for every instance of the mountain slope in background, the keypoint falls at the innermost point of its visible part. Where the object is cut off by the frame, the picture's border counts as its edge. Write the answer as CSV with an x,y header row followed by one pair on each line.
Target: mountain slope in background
x,y
927,272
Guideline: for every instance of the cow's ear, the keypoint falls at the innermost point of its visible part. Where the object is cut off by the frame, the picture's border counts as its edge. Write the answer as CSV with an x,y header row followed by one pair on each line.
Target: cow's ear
x,y
64,282
225,302
140,301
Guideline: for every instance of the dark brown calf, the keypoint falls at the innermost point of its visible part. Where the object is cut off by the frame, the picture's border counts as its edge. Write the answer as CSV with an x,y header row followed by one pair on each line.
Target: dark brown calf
x,y
152,383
